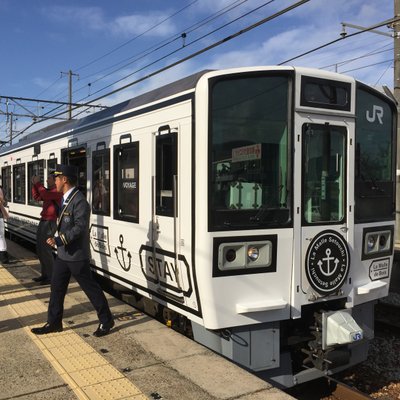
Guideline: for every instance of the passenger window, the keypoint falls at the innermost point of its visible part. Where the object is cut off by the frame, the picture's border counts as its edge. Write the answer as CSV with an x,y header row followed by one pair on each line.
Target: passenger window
x,y
101,182
35,168
126,165
51,165
166,171
6,182
19,183
76,156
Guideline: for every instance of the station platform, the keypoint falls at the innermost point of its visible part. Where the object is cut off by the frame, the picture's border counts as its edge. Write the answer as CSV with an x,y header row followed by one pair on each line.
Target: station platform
x,y
140,359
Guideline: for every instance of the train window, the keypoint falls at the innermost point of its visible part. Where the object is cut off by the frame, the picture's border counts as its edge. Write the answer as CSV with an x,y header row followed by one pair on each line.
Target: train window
x,y
19,183
126,194
51,165
324,173
34,168
375,160
249,169
77,157
166,170
324,93
6,181
101,182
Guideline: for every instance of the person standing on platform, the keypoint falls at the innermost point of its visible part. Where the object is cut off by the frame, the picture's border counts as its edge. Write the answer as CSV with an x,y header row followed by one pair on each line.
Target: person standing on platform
x,y
47,225
73,256
3,216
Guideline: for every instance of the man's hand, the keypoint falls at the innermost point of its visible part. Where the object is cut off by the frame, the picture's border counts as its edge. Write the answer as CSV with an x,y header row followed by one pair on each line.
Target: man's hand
x,y
35,179
51,242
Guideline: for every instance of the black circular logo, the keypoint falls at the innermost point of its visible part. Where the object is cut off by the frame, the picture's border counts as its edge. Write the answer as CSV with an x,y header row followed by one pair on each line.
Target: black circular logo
x,y
327,262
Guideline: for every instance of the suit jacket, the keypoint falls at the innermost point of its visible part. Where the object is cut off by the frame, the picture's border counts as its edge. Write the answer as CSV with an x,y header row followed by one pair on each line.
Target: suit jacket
x,y
73,243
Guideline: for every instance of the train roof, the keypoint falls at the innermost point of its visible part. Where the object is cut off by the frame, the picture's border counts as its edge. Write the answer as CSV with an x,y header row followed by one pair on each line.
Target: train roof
x,y
171,89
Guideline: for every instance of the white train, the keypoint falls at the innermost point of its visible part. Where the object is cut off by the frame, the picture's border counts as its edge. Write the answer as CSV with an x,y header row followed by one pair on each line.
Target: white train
x,y
257,204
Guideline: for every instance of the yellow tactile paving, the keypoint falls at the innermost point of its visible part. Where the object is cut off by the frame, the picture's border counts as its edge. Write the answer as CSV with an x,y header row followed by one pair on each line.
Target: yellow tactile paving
x,y
28,307
82,362
117,389
66,338
99,374
88,374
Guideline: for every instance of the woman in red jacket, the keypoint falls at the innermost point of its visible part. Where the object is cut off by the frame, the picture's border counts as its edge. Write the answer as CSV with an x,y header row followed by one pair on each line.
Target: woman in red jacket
x,y
47,225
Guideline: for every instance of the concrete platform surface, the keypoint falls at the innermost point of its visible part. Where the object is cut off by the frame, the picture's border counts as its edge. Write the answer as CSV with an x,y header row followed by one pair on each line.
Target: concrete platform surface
x,y
140,359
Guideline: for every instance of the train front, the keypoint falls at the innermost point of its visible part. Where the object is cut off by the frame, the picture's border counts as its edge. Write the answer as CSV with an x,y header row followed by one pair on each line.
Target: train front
x,y
300,190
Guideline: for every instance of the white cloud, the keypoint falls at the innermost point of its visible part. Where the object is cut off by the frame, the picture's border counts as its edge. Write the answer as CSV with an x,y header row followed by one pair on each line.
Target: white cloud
x,y
154,24
136,24
86,17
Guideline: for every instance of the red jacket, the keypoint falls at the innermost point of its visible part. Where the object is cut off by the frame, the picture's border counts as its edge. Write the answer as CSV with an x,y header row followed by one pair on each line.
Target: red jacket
x,y
51,201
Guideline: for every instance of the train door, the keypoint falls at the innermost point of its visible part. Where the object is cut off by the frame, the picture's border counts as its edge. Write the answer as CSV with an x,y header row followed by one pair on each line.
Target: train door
x,y
325,204
166,215
77,156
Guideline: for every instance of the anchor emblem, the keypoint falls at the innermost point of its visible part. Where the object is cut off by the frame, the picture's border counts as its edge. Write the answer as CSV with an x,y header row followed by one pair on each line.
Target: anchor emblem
x,y
122,249
327,269
327,262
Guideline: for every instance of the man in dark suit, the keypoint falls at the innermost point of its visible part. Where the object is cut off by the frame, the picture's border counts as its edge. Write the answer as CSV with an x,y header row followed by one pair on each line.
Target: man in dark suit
x,y
73,255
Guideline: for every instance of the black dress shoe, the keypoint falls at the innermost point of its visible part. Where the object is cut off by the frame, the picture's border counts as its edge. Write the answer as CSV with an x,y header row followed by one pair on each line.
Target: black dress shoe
x,y
47,328
40,278
104,329
45,282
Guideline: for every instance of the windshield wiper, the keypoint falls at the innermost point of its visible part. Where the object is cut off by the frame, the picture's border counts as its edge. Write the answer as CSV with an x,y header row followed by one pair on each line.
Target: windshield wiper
x,y
260,213
374,186
369,178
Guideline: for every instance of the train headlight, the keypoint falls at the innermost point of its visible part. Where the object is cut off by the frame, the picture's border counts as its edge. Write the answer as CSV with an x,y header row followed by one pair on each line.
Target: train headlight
x,y
230,255
377,243
371,241
382,241
242,255
253,253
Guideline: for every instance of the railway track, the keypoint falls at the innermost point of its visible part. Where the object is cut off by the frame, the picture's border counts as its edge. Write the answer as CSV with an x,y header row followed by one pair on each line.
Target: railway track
x,y
342,391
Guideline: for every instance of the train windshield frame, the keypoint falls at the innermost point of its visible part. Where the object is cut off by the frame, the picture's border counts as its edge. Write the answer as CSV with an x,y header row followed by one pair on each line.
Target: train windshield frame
x,y
374,157
249,157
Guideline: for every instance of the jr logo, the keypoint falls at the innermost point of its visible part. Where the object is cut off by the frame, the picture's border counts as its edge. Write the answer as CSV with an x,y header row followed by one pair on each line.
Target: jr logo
x,y
377,112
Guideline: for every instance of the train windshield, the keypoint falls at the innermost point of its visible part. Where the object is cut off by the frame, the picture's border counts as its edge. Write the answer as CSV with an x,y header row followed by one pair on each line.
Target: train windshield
x,y
249,159
375,163
324,173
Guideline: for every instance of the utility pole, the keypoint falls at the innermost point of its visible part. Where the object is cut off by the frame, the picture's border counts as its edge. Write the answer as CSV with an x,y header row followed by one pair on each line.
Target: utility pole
x,y
11,127
69,73
396,92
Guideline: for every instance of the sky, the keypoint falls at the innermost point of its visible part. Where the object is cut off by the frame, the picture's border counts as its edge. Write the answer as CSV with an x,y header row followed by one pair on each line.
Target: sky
x,y
110,44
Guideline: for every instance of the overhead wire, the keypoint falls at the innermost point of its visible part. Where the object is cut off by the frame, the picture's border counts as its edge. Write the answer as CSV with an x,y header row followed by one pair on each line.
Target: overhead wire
x,y
383,74
235,35
180,48
126,43
348,61
189,29
367,66
203,50
358,44
136,37
159,46
174,51
50,86
338,40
